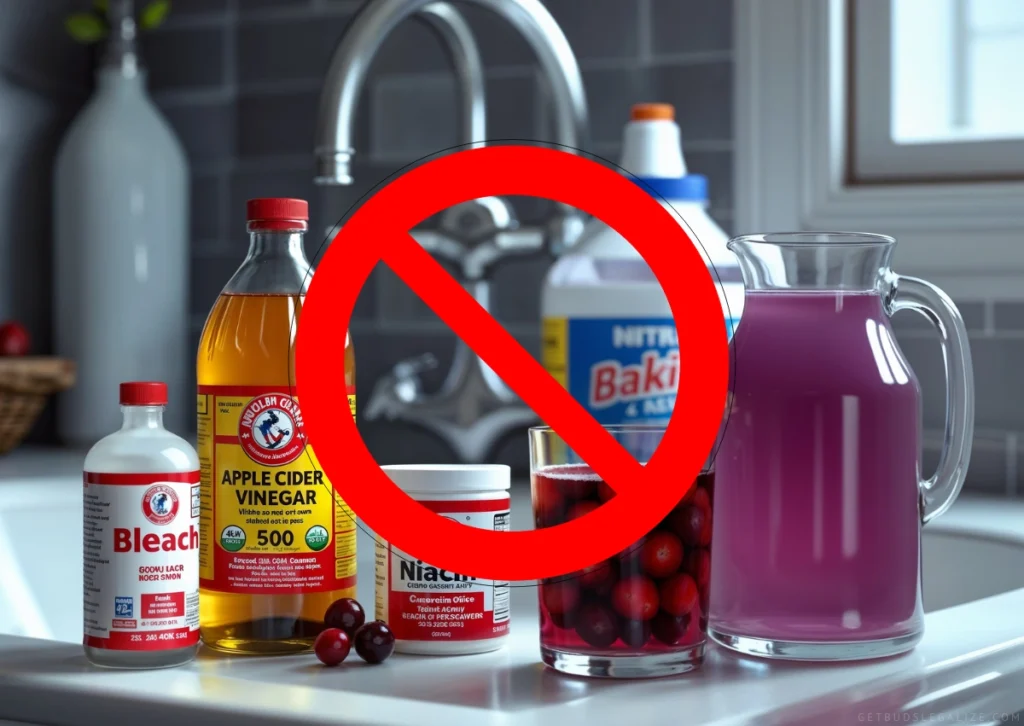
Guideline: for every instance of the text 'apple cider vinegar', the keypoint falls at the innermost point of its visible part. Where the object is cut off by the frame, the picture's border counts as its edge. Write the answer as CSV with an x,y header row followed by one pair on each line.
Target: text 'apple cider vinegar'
x,y
277,544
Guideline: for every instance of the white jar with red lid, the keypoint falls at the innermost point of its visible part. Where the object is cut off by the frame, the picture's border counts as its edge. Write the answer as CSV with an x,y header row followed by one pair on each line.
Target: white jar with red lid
x,y
433,611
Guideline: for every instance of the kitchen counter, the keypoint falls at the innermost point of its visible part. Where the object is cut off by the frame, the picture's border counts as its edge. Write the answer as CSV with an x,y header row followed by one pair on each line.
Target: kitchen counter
x,y
50,682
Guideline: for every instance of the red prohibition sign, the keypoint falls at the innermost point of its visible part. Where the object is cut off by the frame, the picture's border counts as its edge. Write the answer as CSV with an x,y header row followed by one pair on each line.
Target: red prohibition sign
x,y
379,231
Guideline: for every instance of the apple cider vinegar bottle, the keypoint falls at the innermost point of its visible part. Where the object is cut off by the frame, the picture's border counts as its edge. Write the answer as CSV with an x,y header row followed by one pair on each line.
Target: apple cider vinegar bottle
x,y
277,545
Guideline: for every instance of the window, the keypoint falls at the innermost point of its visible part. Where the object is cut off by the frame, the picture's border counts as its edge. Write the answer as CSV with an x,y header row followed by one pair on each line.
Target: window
x,y
901,117
936,91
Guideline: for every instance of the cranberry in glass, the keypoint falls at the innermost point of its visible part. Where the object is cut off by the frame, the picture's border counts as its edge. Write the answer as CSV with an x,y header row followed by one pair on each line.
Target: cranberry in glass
x,y
629,559
597,625
604,492
332,646
705,533
598,577
670,629
565,621
662,554
375,642
560,596
678,595
688,523
345,614
698,566
701,499
635,598
635,633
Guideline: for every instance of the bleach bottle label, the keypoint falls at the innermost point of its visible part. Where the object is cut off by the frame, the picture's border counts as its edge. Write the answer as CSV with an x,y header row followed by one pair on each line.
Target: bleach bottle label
x,y
621,370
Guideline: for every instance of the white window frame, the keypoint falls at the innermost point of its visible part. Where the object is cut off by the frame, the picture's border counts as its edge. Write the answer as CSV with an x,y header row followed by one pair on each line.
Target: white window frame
x,y
876,157
790,160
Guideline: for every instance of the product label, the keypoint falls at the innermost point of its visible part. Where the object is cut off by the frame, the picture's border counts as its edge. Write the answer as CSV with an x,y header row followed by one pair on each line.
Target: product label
x,y
427,603
271,521
141,562
622,370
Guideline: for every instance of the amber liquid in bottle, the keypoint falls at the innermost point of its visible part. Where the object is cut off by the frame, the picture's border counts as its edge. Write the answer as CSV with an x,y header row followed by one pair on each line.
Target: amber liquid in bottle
x,y
249,341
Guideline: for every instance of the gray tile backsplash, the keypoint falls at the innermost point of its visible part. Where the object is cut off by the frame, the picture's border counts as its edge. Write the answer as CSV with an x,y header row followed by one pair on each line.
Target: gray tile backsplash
x,y
1008,316
690,26
206,130
186,58
239,81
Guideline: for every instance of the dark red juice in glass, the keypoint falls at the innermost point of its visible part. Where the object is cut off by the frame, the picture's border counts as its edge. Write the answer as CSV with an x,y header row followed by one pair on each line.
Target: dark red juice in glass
x,y
650,599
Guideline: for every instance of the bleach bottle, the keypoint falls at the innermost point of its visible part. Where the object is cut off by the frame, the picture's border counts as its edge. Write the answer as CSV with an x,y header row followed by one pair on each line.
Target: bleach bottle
x,y
607,330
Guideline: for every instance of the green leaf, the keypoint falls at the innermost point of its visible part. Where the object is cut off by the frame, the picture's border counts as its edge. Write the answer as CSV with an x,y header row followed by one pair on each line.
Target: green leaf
x,y
154,14
85,27
101,6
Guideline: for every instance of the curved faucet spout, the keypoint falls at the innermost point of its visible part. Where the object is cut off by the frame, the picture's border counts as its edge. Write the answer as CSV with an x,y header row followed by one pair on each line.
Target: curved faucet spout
x,y
352,59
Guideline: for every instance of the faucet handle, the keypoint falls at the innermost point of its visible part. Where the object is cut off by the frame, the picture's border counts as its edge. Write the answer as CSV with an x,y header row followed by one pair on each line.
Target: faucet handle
x,y
477,234
414,366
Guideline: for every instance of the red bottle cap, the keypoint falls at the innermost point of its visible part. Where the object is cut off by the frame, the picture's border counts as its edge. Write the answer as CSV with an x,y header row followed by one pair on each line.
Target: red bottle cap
x,y
277,213
144,394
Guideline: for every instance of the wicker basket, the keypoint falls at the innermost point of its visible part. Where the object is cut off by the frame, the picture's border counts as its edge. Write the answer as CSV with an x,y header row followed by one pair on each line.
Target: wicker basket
x,y
25,385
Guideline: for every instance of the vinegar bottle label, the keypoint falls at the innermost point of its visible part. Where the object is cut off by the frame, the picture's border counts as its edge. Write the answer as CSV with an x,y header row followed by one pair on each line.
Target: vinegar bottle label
x,y
271,521
141,575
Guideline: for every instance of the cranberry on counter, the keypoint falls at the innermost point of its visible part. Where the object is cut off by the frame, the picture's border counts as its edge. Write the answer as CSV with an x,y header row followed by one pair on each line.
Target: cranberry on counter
x,y
345,614
375,642
332,646
346,628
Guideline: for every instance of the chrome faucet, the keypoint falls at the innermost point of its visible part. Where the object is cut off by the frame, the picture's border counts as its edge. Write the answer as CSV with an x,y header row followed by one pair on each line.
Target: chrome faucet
x,y
473,409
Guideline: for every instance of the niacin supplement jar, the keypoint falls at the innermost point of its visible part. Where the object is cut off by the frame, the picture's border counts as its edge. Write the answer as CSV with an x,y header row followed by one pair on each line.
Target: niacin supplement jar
x,y
433,611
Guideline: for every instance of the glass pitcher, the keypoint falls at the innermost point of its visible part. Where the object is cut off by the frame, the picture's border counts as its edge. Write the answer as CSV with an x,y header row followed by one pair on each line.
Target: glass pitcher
x,y
819,498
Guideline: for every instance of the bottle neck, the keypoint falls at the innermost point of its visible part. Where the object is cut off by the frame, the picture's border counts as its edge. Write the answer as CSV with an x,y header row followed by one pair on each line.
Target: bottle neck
x,y
276,264
273,245
121,56
143,417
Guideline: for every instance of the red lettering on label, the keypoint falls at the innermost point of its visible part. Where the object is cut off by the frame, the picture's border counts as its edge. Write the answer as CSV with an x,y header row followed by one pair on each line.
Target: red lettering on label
x,y
611,382
133,540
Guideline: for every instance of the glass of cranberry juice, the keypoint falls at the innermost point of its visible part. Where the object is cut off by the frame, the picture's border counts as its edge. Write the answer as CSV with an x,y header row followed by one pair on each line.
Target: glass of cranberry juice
x,y
642,613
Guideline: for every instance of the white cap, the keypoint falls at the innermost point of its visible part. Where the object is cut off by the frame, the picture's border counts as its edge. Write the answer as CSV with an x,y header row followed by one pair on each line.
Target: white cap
x,y
652,147
440,478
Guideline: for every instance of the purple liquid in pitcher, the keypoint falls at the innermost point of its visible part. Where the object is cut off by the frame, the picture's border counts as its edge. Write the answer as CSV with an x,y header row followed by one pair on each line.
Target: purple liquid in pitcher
x,y
817,521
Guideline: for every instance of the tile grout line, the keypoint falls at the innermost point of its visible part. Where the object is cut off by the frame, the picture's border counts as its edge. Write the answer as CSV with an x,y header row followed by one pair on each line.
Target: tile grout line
x,y
645,39
231,81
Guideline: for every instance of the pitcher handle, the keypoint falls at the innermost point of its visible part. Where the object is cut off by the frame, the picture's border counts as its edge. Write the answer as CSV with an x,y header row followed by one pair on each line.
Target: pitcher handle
x,y
940,491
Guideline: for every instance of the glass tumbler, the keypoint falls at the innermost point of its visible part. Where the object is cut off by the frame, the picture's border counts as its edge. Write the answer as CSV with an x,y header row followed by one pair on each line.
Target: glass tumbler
x,y
642,613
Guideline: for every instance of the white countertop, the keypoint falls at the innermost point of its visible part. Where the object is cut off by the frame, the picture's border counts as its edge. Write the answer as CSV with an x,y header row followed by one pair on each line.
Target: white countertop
x,y
50,682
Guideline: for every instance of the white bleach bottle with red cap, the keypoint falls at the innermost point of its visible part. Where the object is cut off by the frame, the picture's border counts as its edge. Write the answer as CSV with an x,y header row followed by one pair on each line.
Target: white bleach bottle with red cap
x,y
141,540
608,334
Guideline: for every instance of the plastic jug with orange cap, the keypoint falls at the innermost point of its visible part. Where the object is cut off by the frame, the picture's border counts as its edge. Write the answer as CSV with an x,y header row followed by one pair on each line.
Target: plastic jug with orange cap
x,y
608,334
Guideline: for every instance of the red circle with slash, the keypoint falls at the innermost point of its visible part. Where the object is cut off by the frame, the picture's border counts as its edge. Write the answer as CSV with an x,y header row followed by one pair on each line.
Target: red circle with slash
x,y
379,231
